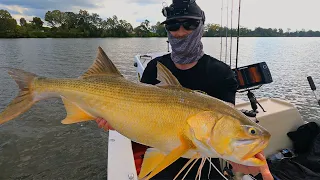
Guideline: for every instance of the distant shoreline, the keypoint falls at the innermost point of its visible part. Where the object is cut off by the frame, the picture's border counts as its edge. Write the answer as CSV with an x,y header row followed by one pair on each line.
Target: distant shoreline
x,y
85,25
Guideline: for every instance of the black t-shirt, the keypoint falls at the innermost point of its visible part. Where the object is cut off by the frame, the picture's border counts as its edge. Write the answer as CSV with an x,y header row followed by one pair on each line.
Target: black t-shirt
x,y
208,75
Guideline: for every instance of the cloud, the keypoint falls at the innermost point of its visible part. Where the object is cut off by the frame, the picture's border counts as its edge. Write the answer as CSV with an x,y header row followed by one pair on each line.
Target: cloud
x,y
51,4
144,2
15,8
38,8
19,16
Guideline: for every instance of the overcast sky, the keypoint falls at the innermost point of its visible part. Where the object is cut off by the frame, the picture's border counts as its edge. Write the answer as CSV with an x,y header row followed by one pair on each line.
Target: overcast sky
x,y
293,14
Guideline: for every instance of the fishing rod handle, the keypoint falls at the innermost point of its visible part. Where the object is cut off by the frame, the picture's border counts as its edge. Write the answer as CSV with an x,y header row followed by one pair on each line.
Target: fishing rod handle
x,y
311,83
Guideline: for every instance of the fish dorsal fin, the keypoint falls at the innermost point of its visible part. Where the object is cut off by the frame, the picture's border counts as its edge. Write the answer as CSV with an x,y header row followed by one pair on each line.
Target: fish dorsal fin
x,y
168,80
74,113
151,159
102,66
165,77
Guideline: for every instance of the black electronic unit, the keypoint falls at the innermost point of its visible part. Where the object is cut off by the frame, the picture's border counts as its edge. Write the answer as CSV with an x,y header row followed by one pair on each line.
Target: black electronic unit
x,y
249,78
252,75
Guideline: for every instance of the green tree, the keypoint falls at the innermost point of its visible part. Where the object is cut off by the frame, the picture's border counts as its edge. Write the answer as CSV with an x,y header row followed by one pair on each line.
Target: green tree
x,y
7,23
23,22
124,28
84,24
280,32
146,24
71,20
111,25
55,18
143,30
212,30
37,23
159,29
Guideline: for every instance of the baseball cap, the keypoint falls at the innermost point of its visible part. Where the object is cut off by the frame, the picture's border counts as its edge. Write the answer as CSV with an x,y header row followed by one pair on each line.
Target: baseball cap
x,y
187,9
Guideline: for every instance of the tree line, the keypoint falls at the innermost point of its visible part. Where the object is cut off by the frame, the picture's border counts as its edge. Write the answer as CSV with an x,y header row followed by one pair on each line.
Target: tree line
x,y
83,24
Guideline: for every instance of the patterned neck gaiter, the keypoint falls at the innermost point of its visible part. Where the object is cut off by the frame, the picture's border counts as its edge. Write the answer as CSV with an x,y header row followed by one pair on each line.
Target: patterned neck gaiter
x,y
188,49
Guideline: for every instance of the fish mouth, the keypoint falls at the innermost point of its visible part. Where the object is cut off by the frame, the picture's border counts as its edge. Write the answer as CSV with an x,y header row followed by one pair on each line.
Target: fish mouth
x,y
259,147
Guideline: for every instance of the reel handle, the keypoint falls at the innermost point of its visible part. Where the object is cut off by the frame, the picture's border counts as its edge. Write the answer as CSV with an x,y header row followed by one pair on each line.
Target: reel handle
x,y
311,83
313,88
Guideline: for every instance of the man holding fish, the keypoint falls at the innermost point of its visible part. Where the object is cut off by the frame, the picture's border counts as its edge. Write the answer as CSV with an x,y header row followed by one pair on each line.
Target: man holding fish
x,y
170,119
194,70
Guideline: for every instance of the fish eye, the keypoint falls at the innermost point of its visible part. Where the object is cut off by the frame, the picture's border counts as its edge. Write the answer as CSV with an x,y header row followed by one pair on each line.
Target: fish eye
x,y
252,131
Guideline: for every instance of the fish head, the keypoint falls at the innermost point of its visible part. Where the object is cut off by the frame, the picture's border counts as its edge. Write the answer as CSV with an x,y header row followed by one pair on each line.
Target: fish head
x,y
239,140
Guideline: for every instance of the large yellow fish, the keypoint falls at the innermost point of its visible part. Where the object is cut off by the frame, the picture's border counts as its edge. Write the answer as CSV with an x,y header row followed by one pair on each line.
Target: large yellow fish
x,y
176,121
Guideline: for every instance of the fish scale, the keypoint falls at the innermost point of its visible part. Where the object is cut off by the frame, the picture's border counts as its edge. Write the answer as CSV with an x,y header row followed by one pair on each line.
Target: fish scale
x,y
110,95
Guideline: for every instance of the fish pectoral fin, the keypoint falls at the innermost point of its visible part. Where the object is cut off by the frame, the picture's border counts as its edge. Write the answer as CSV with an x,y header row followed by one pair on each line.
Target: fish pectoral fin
x,y
202,123
74,113
102,66
151,159
171,157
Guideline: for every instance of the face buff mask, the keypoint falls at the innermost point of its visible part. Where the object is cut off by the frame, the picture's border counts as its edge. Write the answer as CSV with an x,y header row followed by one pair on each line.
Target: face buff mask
x,y
188,49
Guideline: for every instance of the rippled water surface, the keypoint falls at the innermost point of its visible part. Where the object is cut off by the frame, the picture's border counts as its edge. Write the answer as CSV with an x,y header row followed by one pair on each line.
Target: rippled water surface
x,y
37,146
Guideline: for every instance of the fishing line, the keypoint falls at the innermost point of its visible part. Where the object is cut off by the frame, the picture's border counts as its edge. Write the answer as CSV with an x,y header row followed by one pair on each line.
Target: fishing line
x,y
200,168
209,170
217,169
195,157
190,169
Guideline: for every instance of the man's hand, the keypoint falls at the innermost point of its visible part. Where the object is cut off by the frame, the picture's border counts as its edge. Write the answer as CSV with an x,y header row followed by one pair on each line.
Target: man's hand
x,y
264,170
102,123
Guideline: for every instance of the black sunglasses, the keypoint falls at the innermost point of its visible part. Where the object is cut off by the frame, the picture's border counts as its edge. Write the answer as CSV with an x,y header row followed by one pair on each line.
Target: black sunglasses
x,y
188,25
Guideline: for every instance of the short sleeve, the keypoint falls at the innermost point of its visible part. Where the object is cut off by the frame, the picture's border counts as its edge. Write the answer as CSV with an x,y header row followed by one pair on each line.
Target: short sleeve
x,y
149,75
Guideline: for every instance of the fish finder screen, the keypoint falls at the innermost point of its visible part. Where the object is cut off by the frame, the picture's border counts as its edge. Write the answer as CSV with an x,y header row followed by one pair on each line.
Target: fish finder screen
x,y
253,75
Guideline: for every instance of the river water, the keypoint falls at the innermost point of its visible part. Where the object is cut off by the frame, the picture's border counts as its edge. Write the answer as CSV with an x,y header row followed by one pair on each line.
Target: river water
x,y
37,146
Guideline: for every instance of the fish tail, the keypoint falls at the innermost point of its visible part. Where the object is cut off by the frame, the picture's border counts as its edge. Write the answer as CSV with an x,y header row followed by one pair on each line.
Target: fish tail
x,y
24,100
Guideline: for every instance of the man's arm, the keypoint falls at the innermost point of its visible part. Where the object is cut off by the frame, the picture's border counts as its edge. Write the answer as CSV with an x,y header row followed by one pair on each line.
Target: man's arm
x,y
228,87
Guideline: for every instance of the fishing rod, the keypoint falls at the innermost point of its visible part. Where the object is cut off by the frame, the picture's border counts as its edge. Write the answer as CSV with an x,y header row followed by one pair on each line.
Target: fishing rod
x,y
227,32
313,88
221,31
231,32
238,35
